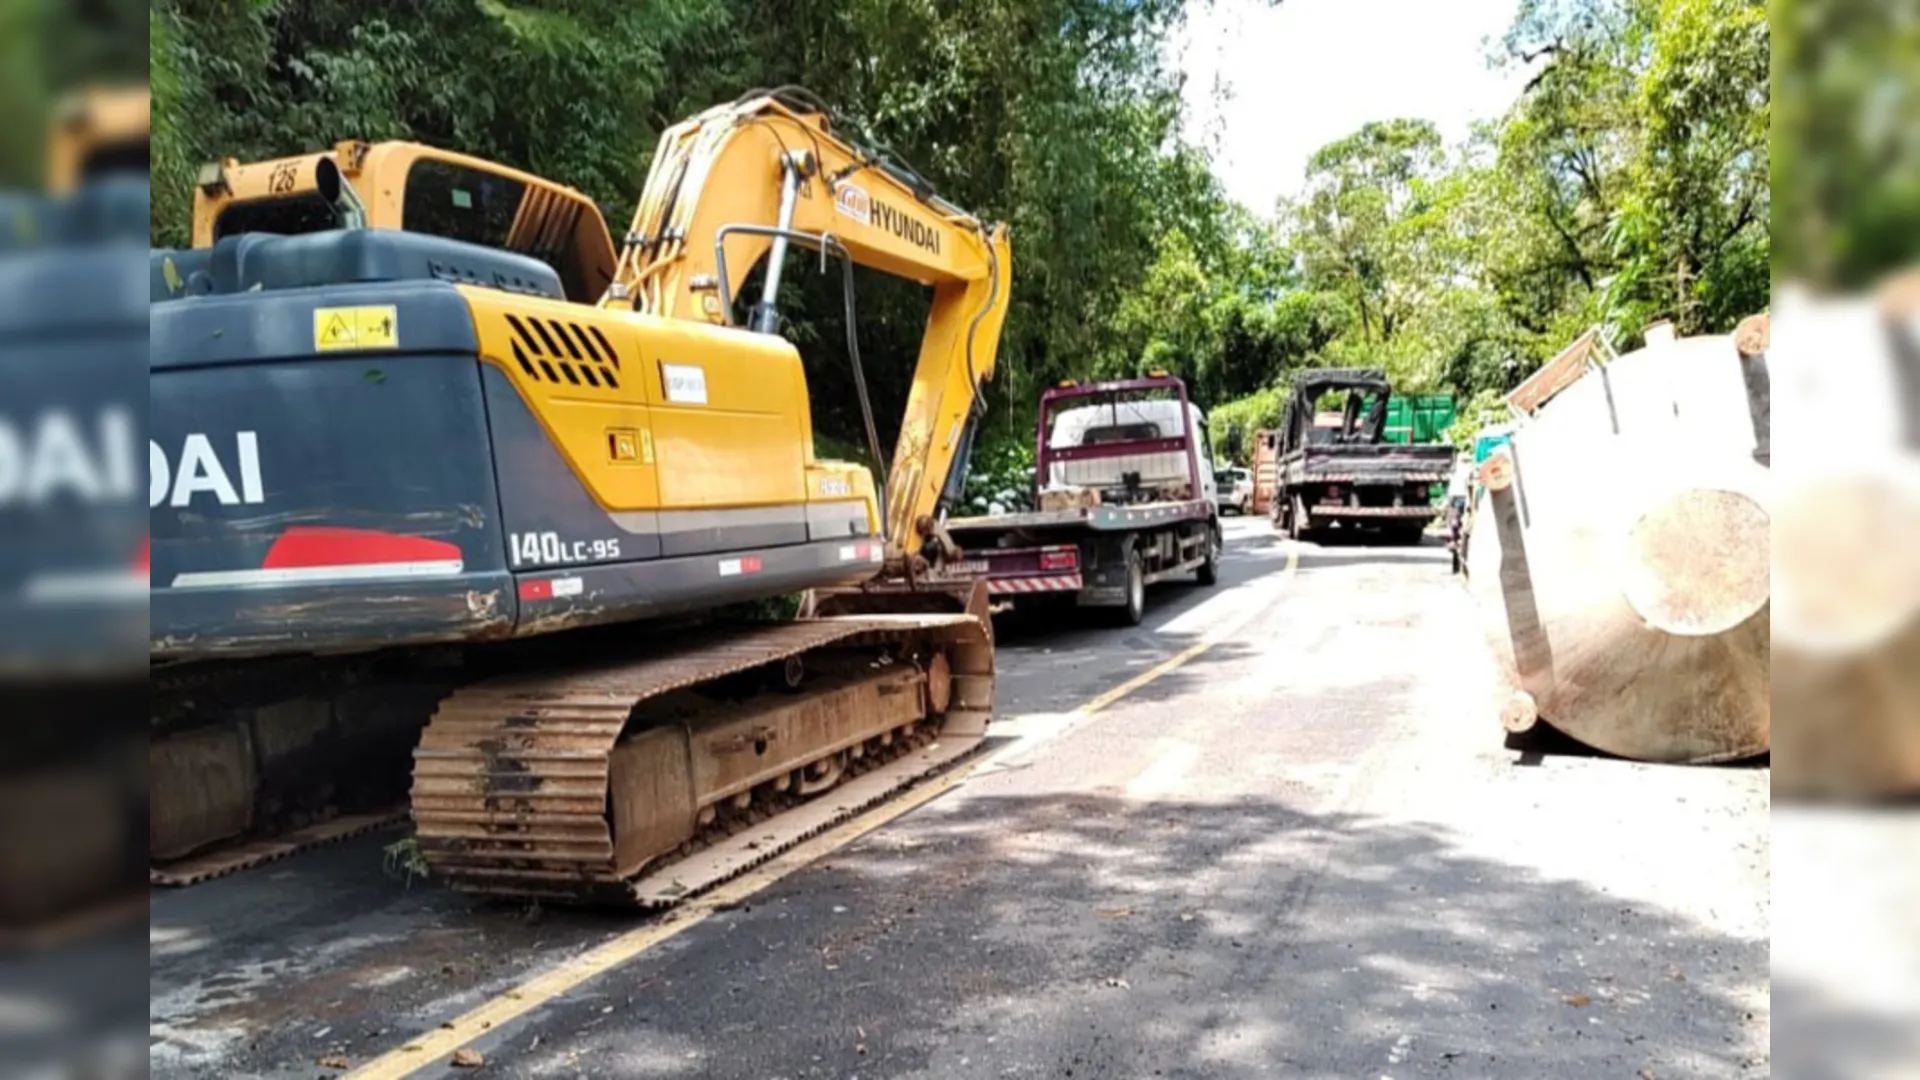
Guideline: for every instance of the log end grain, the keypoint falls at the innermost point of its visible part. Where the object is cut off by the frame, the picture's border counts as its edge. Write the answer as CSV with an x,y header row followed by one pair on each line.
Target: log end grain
x,y
1698,562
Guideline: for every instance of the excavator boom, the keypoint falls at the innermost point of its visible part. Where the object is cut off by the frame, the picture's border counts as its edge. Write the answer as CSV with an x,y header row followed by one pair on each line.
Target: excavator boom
x,y
773,158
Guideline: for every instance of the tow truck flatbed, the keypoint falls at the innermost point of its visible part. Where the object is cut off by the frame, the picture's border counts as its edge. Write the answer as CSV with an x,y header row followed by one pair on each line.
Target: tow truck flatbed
x,y
1114,518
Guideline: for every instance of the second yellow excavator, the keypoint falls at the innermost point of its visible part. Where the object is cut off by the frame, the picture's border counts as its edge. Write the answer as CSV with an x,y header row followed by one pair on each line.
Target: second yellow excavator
x,y
399,478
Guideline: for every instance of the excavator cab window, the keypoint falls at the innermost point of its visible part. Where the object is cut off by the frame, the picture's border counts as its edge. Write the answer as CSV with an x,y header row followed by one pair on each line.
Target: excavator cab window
x,y
288,216
461,203
129,157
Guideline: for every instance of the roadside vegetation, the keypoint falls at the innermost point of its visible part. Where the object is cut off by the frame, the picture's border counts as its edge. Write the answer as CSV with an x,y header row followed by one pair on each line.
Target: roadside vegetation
x,y
1628,182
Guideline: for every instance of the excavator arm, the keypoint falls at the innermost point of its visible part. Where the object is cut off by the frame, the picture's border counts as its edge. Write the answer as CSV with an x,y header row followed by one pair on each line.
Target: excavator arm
x,y
738,182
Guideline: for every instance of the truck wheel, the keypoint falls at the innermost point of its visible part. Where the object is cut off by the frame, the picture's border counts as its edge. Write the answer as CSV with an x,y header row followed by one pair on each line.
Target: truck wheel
x,y
1209,571
1136,606
1297,520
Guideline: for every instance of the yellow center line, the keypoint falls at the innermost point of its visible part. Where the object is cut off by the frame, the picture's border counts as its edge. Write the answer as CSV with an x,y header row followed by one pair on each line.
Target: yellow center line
x,y
432,1048
1219,633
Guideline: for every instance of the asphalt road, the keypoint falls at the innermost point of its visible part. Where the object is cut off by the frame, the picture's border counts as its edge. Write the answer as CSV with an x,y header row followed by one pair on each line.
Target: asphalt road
x,y
1293,845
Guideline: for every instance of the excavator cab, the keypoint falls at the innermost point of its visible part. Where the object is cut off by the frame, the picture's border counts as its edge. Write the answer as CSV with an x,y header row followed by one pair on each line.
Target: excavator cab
x,y
104,131
416,188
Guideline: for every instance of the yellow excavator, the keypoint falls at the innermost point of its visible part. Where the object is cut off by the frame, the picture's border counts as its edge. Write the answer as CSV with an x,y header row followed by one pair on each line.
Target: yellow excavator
x,y
404,485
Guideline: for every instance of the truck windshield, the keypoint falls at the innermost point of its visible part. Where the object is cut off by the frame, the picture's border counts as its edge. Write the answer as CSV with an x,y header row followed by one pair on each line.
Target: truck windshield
x,y
1118,433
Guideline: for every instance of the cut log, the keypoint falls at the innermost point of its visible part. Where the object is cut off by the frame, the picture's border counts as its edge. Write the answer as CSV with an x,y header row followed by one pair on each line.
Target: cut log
x,y
1069,498
1619,560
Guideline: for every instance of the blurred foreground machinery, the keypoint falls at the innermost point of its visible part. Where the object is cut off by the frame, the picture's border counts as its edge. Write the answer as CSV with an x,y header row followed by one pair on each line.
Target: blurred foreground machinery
x,y
73,611
1619,555
1846,544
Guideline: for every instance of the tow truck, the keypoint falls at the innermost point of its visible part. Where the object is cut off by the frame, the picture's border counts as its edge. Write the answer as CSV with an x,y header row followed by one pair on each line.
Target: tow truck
x,y
1125,497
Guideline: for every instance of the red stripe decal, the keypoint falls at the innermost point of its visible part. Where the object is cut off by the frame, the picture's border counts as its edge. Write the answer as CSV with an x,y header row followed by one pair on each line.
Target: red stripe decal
x,y
322,545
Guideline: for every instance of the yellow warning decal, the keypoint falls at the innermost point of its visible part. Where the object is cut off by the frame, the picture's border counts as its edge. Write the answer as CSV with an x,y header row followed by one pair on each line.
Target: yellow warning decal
x,y
376,327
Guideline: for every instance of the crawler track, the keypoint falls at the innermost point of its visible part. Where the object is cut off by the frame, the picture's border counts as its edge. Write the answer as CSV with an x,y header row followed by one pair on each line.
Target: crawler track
x,y
580,786
221,861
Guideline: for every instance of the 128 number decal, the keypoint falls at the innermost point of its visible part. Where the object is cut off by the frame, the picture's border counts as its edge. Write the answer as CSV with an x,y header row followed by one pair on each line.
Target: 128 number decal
x,y
547,549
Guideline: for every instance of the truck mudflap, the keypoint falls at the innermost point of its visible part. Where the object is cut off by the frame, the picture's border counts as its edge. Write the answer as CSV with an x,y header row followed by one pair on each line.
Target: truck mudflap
x,y
309,496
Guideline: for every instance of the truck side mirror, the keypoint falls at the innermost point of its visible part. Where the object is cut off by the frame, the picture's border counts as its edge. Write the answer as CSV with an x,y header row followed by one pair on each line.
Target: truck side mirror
x,y
1233,444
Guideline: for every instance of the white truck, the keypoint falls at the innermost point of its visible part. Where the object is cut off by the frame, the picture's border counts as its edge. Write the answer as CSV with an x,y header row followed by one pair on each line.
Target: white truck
x,y
1125,490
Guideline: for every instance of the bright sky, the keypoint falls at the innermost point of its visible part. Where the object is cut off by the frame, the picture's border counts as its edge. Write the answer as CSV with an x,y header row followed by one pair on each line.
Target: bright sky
x,y
1307,72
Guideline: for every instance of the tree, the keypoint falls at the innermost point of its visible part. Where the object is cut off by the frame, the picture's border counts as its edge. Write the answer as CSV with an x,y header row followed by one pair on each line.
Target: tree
x,y
1845,150
1358,224
1692,228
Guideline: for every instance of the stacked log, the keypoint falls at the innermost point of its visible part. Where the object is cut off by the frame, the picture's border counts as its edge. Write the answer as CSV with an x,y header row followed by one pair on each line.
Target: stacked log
x,y
1069,498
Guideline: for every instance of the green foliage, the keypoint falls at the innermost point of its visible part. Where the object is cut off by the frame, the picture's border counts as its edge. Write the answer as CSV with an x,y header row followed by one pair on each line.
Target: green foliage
x,y
1845,139
1002,474
404,860
1477,413
1258,410
769,609
1628,181
1057,116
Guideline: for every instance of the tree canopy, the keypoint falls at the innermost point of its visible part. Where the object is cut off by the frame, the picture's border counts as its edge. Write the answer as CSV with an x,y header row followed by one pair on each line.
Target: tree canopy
x,y
1629,180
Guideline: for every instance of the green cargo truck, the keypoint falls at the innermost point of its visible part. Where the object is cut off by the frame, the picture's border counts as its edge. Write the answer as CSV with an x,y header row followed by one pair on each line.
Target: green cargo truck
x,y
1418,418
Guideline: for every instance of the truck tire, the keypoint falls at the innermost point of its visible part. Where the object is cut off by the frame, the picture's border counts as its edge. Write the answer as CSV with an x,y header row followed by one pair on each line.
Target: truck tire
x,y
1209,571
1135,608
1297,520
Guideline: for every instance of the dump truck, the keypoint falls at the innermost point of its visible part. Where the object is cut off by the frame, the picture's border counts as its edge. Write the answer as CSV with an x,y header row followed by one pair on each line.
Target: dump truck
x,y
425,527
1619,559
1125,495
1337,470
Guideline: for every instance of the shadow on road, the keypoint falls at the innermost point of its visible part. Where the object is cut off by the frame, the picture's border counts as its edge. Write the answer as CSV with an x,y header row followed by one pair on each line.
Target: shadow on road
x,y
1534,746
1098,937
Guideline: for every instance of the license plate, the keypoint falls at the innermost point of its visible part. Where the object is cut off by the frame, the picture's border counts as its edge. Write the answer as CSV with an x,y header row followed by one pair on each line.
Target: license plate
x,y
970,566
